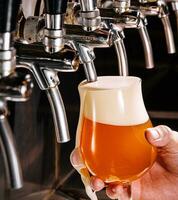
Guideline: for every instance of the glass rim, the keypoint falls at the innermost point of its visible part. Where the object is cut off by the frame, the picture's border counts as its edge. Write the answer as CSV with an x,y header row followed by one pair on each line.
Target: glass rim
x,y
101,80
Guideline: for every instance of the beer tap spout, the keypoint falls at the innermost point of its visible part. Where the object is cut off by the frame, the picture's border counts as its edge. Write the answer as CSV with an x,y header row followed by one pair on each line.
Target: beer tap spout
x,y
148,51
12,164
117,37
160,9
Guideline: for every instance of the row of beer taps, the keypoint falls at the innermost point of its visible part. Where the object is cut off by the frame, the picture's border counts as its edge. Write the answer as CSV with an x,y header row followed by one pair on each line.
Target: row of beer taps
x,y
57,36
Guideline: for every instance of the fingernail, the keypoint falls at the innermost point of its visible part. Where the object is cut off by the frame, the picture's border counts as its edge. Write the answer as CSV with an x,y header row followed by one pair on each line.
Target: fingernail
x,y
154,134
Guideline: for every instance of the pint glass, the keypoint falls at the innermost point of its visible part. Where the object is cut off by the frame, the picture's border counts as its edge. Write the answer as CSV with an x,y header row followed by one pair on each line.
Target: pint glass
x,y
110,133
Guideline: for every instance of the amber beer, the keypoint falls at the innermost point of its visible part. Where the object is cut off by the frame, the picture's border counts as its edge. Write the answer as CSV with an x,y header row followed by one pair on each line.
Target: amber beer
x,y
116,153
111,129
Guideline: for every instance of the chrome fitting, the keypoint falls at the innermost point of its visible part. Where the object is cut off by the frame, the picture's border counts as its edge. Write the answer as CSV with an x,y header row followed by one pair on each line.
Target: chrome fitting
x,y
53,40
90,20
121,6
7,62
53,33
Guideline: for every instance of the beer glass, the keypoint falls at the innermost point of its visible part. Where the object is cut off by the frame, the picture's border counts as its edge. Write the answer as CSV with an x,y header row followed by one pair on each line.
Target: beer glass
x,y
110,134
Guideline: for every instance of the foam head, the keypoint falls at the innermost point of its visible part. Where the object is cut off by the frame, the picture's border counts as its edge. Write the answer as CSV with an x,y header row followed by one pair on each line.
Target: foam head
x,y
114,100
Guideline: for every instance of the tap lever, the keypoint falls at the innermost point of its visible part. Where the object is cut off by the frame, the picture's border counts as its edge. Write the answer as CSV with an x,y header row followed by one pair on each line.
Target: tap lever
x,y
11,159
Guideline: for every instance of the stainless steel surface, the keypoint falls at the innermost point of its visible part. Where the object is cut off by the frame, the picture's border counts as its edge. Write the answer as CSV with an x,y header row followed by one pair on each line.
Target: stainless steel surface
x,y
16,88
147,47
118,37
168,35
59,115
86,55
53,33
13,168
54,22
5,41
122,57
90,15
88,5
160,9
7,62
47,80
121,6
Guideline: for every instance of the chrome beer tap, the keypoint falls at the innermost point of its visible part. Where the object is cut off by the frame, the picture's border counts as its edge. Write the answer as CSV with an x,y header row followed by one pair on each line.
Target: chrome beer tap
x,y
160,9
105,35
174,5
48,30
132,17
15,88
12,88
175,9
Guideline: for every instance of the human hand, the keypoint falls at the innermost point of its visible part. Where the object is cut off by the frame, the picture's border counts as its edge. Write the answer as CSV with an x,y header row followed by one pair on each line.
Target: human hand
x,y
161,181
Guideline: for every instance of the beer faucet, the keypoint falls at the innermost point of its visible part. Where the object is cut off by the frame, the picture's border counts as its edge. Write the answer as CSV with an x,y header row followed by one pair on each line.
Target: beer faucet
x,y
174,4
105,34
160,9
12,88
16,88
134,18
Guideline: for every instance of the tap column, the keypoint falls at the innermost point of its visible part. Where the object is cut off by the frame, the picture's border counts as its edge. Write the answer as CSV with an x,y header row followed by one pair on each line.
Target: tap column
x,y
8,13
54,20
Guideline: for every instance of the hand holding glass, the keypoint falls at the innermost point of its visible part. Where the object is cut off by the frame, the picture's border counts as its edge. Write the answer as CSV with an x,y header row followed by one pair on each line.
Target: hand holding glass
x,y
111,128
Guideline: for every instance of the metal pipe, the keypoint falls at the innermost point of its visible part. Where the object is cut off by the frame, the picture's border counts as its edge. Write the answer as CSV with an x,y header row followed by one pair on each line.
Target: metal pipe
x,y
122,57
59,115
168,34
147,47
13,169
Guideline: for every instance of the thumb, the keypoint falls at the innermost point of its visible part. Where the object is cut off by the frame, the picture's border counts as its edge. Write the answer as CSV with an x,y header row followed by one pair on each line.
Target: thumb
x,y
166,141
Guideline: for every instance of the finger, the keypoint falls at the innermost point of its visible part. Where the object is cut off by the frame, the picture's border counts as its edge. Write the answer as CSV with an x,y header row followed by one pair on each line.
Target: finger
x,y
97,184
166,141
76,159
117,192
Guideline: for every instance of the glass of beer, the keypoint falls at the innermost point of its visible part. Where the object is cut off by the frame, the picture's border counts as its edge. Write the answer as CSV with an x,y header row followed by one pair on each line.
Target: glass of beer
x,y
110,133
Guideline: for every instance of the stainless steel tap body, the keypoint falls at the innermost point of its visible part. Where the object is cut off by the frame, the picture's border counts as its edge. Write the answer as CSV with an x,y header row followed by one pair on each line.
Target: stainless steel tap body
x,y
12,164
160,9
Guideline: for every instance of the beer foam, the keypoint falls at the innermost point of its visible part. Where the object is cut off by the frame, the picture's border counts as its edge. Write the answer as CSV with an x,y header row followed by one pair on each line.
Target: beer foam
x,y
114,100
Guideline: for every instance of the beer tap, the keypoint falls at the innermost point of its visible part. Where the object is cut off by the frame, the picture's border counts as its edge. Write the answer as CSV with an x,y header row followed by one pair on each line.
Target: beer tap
x,y
174,4
16,88
160,9
11,89
105,35
134,18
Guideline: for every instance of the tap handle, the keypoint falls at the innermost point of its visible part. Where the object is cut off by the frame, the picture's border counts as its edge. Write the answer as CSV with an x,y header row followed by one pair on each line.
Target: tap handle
x,y
9,10
12,164
54,7
168,34
147,47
